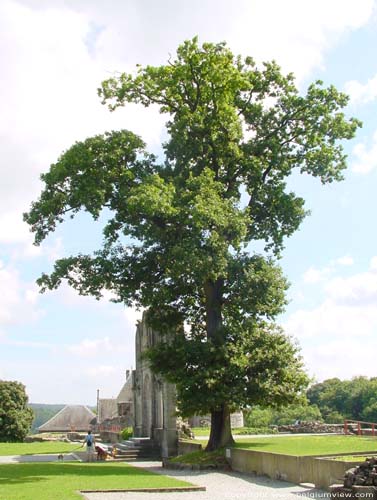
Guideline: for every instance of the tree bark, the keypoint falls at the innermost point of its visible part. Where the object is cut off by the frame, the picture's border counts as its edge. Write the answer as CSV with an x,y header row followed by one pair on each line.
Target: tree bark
x,y
221,432
213,293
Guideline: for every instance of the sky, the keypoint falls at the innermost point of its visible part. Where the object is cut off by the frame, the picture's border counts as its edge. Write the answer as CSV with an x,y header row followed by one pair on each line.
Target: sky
x,y
54,55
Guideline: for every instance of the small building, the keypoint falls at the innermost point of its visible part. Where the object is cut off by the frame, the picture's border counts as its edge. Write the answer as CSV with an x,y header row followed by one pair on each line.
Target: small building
x,y
72,418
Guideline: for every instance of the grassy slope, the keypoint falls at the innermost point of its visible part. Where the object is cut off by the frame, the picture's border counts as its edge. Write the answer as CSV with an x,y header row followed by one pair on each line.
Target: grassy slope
x,y
36,448
310,445
55,481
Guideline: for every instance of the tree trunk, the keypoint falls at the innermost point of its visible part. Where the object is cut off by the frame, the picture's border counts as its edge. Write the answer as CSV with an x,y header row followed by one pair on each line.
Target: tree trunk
x,y
214,320
221,432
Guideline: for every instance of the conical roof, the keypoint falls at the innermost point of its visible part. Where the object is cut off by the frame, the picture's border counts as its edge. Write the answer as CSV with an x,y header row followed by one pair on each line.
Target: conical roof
x,y
70,418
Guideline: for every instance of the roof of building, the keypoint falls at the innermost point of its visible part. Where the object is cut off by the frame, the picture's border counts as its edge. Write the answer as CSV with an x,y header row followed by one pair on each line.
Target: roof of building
x,y
126,393
70,418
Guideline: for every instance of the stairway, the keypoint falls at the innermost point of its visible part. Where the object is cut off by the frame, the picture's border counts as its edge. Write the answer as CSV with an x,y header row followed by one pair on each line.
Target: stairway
x,y
136,448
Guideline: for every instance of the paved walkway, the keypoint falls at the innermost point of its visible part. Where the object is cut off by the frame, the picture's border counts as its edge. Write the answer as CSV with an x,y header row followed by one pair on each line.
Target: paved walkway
x,y
53,457
220,486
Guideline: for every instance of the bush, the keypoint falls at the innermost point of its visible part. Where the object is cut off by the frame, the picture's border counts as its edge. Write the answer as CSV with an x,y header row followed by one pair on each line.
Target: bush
x,y
258,417
305,413
15,416
254,430
127,433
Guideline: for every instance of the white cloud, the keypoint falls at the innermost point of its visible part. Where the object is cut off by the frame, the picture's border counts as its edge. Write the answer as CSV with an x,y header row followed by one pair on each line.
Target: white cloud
x,y
362,93
88,348
373,264
102,371
302,31
365,159
335,333
346,260
49,100
343,359
313,275
18,299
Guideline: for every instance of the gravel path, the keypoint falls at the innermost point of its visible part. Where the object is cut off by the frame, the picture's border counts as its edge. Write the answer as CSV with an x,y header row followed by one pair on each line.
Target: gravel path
x,y
220,486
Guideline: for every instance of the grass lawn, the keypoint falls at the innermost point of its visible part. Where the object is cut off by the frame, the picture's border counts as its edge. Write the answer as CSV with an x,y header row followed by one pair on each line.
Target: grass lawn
x,y
205,431
199,457
56,481
309,445
36,448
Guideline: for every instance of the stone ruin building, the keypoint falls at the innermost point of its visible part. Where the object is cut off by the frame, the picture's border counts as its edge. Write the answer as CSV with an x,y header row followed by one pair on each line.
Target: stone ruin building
x,y
147,402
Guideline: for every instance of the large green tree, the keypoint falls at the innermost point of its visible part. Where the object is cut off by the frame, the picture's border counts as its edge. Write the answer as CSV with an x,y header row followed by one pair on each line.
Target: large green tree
x,y
177,231
15,416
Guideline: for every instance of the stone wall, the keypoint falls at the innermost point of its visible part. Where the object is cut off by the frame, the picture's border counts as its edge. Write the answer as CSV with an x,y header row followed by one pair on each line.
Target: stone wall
x,y
311,428
236,420
154,399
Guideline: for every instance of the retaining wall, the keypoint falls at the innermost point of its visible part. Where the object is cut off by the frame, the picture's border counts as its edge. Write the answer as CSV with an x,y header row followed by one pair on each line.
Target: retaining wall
x,y
185,447
319,470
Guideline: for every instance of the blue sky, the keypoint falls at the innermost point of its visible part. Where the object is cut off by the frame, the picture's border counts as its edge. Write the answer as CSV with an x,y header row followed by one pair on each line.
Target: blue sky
x,y
54,55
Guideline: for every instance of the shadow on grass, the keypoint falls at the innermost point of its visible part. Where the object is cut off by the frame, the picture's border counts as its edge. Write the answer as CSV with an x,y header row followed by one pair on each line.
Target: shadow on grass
x,y
35,472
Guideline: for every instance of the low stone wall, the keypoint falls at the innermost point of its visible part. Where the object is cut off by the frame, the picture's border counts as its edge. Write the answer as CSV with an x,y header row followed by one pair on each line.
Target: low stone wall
x,y
185,447
312,427
274,465
327,471
319,470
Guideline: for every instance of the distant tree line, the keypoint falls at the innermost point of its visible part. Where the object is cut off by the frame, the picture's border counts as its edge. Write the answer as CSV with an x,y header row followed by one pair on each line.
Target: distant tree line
x,y
331,401
346,399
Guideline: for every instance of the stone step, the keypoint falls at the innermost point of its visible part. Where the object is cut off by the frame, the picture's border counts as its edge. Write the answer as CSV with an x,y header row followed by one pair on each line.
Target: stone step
x,y
127,444
136,448
141,440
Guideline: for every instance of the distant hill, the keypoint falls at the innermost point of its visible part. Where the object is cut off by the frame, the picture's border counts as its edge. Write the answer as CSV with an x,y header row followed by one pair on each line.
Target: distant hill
x,y
43,413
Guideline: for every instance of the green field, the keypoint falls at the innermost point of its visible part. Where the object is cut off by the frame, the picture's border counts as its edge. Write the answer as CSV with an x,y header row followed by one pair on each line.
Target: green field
x,y
205,431
7,449
62,481
309,445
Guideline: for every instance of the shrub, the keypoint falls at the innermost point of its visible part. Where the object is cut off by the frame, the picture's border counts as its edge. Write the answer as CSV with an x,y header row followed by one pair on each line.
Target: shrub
x,y
127,433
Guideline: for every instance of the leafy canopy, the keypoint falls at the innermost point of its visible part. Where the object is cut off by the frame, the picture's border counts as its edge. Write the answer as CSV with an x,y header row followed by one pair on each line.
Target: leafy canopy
x,y
177,230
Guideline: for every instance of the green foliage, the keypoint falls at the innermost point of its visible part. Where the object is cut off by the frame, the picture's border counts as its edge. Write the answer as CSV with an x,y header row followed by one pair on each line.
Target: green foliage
x,y
285,415
258,417
257,363
254,430
15,416
127,433
177,230
339,399
213,458
291,413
